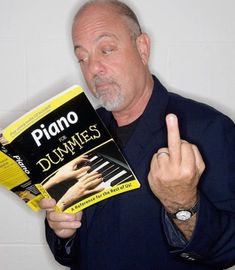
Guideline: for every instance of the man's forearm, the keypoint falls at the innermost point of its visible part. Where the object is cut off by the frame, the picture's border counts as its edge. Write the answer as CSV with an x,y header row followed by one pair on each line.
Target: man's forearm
x,y
186,227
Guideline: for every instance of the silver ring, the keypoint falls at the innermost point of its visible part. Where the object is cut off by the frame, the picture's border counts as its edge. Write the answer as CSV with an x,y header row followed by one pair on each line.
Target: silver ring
x,y
163,152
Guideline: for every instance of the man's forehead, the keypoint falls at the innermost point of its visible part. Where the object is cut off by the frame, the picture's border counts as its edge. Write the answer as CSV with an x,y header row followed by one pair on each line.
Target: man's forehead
x,y
92,27
97,39
96,11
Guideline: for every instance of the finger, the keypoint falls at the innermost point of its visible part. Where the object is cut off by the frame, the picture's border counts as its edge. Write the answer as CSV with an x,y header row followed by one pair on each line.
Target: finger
x,y
173,138
154,167
199,160
86,179
188,157
162,153
80,172
83,156
47,204
97,189
89,176
77,173
93,178
78,216
75,162
64,225
94,182
79,160
60,217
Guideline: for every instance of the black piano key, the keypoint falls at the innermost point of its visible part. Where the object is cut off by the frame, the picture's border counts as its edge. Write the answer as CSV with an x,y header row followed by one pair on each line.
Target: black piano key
x,y
111,171
107,169
112,174
120,180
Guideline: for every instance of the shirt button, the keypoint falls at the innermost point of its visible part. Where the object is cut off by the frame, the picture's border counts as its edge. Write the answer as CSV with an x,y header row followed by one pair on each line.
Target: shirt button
x,y
187,256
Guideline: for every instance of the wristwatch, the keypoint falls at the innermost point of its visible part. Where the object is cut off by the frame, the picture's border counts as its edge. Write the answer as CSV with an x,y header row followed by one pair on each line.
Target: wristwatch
x,y
184,214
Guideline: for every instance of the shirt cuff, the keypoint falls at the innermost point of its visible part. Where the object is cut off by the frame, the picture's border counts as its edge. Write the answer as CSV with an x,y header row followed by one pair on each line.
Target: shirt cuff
x,y
174,236
66,244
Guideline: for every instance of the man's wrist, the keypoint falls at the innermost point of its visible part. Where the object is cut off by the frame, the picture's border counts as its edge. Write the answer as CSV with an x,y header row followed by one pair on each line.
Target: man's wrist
x,y
184,213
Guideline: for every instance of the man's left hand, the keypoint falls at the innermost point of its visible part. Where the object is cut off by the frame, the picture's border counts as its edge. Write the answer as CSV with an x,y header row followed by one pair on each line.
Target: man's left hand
x,y
175,170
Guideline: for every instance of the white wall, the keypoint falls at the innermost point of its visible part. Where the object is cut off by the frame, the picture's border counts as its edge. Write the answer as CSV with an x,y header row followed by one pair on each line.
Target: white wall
x,y
193,53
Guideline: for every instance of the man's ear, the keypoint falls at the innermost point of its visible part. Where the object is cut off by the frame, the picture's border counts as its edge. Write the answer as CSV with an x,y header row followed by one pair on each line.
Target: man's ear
x,y
143,46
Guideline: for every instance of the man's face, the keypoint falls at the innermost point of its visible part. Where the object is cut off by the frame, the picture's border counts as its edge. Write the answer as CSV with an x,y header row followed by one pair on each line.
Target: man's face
x,y
110,60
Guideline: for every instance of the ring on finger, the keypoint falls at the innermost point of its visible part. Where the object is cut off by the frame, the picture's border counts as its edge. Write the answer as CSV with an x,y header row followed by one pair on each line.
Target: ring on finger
x,y
163,153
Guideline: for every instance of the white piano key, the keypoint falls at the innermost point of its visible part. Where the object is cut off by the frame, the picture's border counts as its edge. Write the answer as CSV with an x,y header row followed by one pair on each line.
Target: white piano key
x,y
101,166
107,184
93,158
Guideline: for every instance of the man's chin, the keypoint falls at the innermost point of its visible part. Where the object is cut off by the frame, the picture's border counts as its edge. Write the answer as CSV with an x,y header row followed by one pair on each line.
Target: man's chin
x,y
110,106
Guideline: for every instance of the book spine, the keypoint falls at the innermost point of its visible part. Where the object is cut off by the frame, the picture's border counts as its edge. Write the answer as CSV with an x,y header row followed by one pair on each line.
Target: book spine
x,y
19,159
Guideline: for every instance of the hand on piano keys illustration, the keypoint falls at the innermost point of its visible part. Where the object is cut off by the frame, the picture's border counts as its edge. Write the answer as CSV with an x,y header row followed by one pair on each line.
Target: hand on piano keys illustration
x,y
84,176
113,171
69,171
86,185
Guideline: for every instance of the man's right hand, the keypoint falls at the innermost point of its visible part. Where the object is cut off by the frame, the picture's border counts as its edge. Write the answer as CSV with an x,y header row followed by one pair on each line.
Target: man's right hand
x,y
64,225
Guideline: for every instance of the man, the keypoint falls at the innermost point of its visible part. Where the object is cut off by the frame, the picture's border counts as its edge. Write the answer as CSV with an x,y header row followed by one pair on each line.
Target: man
x,y
183,216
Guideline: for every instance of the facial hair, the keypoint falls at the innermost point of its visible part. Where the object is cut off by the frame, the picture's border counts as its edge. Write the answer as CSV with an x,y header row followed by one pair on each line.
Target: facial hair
x,y
108,93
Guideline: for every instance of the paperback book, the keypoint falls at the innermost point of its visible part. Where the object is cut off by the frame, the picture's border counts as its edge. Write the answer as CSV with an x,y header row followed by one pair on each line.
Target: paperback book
x,y
62,150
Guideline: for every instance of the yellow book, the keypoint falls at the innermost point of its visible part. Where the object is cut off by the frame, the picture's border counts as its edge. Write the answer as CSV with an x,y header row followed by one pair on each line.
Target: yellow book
x,y
62,150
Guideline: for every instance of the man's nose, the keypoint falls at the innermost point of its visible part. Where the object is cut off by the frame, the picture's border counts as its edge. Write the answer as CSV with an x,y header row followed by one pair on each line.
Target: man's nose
x,y
96,66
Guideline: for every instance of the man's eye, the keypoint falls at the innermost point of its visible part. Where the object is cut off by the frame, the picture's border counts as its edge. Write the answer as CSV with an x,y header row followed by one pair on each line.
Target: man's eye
x,y
107,51
82,60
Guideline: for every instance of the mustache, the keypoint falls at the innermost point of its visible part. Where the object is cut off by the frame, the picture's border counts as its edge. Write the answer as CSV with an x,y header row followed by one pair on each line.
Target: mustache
x,y
97,80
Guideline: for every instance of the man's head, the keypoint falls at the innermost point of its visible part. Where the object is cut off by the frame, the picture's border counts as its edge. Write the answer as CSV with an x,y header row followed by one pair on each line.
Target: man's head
x,y
113,53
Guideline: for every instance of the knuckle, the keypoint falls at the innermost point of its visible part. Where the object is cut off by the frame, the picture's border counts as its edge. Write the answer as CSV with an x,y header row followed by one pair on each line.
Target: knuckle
x,y
201,168
163,176
194,146
50,216
52,225
188,173
163,149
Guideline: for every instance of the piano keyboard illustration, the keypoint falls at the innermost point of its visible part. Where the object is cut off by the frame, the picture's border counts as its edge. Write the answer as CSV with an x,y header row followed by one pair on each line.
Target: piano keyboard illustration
x,y
113,171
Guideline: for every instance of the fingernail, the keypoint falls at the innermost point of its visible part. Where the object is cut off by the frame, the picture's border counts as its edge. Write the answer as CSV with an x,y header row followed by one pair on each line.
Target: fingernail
x,y
171,118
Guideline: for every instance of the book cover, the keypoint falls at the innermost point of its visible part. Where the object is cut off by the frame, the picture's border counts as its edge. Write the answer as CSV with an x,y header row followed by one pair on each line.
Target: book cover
x,y
62,150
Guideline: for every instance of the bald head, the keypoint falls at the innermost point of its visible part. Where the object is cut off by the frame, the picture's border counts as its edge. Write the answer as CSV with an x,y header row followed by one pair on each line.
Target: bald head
x,y
117,7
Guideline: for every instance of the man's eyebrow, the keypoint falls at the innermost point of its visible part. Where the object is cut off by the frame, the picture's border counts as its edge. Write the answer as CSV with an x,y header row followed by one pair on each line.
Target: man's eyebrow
x,y
100,37
106,35
77,47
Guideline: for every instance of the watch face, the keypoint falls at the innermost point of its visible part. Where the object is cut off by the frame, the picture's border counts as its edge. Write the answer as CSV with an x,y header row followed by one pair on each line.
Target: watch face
x,y
183,215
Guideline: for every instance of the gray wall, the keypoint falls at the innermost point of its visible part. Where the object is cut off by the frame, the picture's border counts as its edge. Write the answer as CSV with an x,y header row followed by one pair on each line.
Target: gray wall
x,y
193,53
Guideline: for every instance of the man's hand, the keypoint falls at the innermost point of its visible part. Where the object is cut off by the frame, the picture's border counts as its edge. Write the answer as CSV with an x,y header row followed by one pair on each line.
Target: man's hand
x,y
175,171
86,185
68,171
64,225
174,175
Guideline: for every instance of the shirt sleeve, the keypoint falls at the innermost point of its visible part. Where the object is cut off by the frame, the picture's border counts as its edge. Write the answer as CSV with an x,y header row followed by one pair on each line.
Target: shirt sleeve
x,y
174,236
60,248
66,244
